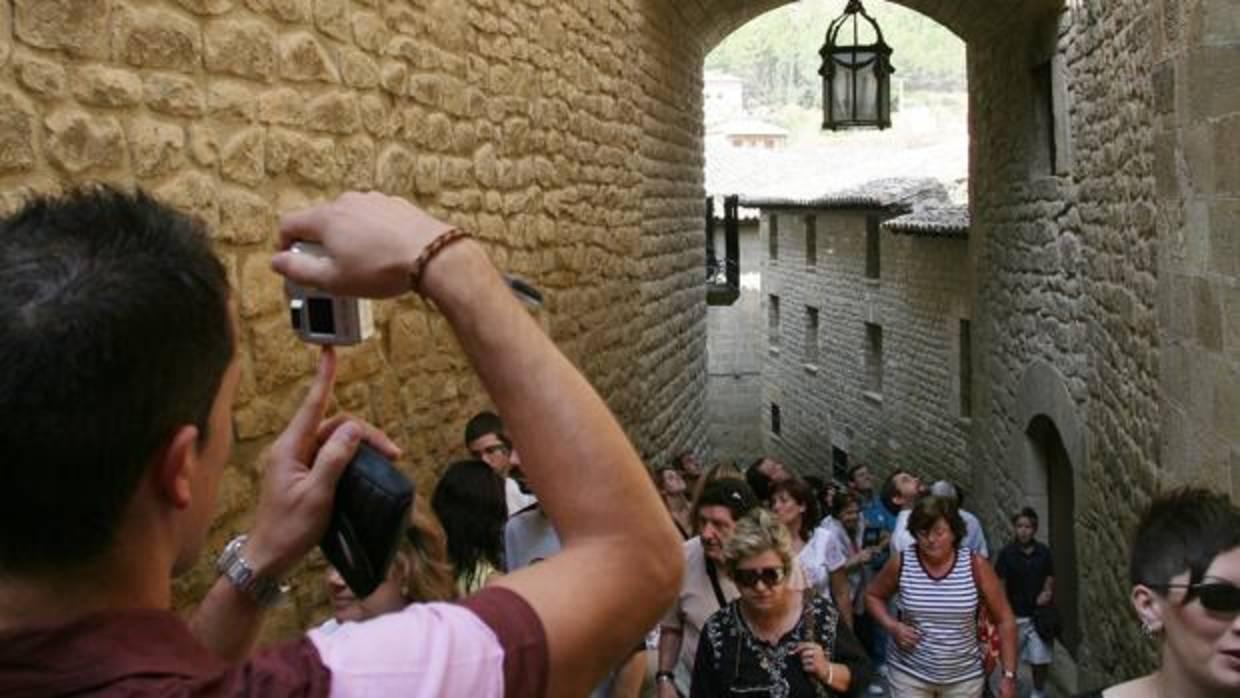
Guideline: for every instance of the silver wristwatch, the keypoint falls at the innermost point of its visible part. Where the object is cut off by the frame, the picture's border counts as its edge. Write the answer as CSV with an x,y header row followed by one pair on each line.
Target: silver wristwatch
x,y
265,591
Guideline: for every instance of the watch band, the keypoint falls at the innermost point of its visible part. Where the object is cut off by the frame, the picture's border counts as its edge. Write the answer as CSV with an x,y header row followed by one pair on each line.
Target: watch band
x,y
265,591
664,676
1009,674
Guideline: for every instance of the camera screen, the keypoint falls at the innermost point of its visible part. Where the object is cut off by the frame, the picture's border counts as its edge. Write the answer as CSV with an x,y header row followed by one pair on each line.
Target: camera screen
x,y
322,320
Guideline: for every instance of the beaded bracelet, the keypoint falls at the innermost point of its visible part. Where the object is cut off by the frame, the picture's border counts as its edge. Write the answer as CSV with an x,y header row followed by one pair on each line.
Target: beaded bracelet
x,y
428,253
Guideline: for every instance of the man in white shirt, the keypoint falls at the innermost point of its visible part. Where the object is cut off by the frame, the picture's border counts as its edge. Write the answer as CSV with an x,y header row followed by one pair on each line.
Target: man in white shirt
x,y
901,491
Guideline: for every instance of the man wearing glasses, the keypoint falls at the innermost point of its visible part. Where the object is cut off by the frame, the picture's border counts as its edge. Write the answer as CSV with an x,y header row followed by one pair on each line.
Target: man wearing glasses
x,y
487,441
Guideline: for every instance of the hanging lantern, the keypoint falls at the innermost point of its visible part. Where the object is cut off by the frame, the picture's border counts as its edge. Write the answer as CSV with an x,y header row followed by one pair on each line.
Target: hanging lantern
x,y
856,78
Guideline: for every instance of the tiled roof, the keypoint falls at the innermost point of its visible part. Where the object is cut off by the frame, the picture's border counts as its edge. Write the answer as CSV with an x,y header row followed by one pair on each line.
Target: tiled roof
x,y
893,193
933,221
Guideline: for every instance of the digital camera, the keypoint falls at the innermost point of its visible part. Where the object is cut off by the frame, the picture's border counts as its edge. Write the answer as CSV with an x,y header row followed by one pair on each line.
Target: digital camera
x,y
319,317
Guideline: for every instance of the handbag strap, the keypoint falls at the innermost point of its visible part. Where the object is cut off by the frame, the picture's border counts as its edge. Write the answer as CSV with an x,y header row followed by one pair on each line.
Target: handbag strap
x,y
714,582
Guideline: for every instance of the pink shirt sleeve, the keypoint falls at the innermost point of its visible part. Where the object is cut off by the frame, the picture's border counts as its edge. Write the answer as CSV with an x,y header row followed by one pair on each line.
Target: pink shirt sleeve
x,y
491,645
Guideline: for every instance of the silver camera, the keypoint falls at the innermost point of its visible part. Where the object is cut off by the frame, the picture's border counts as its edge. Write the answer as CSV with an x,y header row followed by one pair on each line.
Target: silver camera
x,y
319,317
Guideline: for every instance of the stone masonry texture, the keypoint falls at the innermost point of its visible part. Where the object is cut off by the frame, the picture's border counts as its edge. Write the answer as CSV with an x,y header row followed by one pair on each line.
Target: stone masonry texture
x,y
568,136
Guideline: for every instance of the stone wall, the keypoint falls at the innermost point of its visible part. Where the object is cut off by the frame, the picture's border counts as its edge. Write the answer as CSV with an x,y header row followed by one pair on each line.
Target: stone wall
x,y
830,397
533,124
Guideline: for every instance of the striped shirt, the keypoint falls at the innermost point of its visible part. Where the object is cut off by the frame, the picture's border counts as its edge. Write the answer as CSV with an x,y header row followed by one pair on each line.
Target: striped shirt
x,y
944,611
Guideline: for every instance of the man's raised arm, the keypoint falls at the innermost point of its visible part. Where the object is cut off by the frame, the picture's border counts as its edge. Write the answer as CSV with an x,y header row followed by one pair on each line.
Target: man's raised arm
x,y
621,561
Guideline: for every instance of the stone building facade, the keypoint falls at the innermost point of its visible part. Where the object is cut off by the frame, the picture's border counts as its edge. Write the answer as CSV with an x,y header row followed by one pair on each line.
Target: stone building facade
x,y
1104,268
863,324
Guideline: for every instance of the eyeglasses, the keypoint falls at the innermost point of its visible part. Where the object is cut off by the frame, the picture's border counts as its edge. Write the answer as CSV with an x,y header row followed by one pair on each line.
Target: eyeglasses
x,y
1216,597
749,578
491,450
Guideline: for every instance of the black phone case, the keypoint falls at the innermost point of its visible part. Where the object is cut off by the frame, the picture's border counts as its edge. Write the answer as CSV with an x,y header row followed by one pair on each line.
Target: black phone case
x,y
370,514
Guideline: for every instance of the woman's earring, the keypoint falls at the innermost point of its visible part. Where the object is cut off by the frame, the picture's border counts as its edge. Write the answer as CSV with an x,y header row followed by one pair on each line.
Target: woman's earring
x,y
1148,629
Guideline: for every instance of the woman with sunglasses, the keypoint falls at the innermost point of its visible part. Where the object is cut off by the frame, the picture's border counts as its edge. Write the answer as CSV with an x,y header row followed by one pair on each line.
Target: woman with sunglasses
x,y
1185,573
933,650
774,640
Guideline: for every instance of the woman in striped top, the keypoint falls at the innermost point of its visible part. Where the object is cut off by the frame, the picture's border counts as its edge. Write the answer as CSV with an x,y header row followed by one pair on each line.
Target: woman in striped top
x,y
933,650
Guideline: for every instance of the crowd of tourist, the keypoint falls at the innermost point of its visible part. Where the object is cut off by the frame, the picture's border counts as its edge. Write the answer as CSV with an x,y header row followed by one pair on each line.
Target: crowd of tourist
x,y
118,374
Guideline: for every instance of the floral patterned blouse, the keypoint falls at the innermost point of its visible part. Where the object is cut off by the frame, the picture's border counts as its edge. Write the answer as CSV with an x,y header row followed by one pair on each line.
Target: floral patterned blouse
x,y
732,661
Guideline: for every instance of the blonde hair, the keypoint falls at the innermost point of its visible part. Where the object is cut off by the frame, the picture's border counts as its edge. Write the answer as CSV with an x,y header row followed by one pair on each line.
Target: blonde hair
x,y
423,558
757,532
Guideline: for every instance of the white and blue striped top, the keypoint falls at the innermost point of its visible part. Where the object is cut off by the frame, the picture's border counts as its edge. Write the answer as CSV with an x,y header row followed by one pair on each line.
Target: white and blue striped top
x,y
944,611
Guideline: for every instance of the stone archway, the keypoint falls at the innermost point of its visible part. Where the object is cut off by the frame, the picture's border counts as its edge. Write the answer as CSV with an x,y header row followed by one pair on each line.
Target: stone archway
x,y
1047,459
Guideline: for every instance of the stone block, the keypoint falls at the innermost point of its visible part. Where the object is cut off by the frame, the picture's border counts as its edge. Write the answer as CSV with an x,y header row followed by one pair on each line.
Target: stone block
x,y
207,8
396,174
283,106
245,218
101,86
394,77
161,40
156,148
357,69
231,101
1224,222
17,133
378,116
79,142
1213,80
241,157
40,77
1227,404
334,112
370,31
244,48
1230,310
203,147
193,192
6,30
332,18
1227,169
315,162
262,290
1220,23
279,357
304,59
1200,156
77,27
176,95
428,178
357,162
290,11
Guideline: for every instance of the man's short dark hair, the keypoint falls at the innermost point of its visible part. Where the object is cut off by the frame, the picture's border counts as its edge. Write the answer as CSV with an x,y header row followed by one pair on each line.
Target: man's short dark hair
x,y
117,331
890,491
727,492
482,424
852,471
759,482
1026,513
929,510
1183,530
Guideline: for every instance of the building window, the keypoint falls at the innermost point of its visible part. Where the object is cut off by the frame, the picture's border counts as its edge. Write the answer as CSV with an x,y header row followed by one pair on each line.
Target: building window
x,y
839,464
773,314
873,266
776,425
966,369
811,240
874,357
811,335
774,236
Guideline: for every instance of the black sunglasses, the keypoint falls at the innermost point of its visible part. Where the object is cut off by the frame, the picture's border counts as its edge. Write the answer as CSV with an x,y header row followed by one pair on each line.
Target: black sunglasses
x,y
770,576
1216,597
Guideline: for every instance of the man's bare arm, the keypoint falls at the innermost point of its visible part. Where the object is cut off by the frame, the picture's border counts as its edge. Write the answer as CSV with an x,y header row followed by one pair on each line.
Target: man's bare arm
x,y
621,562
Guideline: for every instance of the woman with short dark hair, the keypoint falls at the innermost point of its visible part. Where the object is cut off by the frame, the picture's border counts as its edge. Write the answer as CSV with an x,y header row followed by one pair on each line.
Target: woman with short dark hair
x,y
933,649
1185,574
